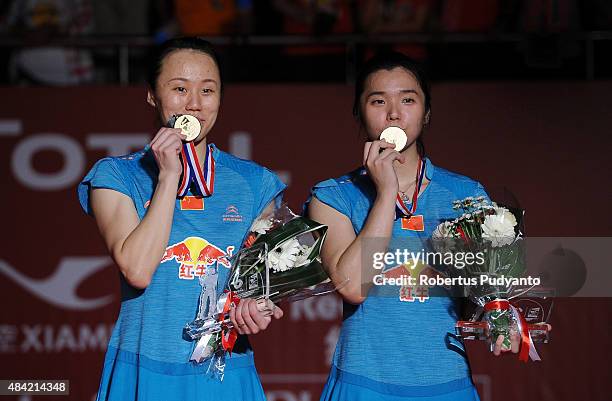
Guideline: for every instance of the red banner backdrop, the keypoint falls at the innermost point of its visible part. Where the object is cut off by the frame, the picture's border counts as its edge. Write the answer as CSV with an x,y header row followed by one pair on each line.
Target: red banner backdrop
x,y
546,144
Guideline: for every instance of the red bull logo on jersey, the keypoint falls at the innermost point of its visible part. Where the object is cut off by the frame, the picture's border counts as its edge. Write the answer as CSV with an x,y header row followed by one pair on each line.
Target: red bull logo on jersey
x,y
195,254
409,293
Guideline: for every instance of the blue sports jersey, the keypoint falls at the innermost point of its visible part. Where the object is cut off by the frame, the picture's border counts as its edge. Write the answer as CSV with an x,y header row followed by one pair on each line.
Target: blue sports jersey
x,y
147,356
395,344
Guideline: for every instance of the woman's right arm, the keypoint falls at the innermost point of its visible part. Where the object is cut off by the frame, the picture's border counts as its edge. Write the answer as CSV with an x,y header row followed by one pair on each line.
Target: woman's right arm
x,y
343,251
137,246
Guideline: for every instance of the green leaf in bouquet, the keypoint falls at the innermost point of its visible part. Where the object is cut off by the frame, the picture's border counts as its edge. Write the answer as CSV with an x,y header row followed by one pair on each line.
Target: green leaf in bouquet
x,y
288,282
291,229
500,322
246,278
508,260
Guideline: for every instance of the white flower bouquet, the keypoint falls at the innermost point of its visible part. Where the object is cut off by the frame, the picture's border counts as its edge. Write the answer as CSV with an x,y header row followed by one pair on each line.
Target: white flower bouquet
x,y
279,260
493,232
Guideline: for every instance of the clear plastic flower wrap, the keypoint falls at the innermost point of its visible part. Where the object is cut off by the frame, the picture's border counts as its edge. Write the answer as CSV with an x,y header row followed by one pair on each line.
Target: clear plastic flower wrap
x,y
493,282
279,260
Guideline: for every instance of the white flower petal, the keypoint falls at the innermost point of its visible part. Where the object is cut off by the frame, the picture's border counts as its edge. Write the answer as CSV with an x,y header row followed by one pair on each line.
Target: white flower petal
x,y
284,257
498,229
302,256
261,225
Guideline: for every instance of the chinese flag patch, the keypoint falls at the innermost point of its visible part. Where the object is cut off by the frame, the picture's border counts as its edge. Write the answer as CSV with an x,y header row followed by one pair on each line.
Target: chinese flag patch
x,y
413,223
192,203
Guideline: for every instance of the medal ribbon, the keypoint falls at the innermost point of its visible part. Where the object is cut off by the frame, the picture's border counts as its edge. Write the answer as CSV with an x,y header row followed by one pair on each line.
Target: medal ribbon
x,y
528,349
402,209
204,178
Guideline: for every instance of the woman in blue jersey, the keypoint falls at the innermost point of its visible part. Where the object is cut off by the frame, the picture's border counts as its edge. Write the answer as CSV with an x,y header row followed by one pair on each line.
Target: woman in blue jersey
x,y
394,344
147,212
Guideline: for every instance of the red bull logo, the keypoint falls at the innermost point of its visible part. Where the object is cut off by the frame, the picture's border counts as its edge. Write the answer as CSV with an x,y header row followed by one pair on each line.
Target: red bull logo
x,y
195,254
409,293
398,272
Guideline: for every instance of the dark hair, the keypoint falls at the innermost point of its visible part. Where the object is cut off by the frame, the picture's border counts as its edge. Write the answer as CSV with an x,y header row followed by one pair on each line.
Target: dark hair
x,y
158,55
388,61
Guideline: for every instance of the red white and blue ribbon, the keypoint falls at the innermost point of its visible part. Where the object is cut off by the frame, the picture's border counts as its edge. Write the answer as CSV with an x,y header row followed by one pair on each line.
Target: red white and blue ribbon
x,y
402,210
527,349
202,177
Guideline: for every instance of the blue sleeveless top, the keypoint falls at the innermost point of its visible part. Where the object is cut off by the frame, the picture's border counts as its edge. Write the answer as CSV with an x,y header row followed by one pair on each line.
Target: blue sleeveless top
x,y
150,323
391,339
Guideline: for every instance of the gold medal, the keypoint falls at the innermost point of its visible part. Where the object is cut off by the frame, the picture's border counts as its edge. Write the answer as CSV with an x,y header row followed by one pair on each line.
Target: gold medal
x,y
396,136
188,124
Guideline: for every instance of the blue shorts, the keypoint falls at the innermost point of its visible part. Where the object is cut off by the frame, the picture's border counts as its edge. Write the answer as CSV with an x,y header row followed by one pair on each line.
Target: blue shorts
x,y
129,377
347,386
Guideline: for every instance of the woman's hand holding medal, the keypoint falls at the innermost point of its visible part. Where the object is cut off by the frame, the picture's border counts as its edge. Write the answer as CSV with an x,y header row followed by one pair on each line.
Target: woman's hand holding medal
x,y
166,148
167,143
378,158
